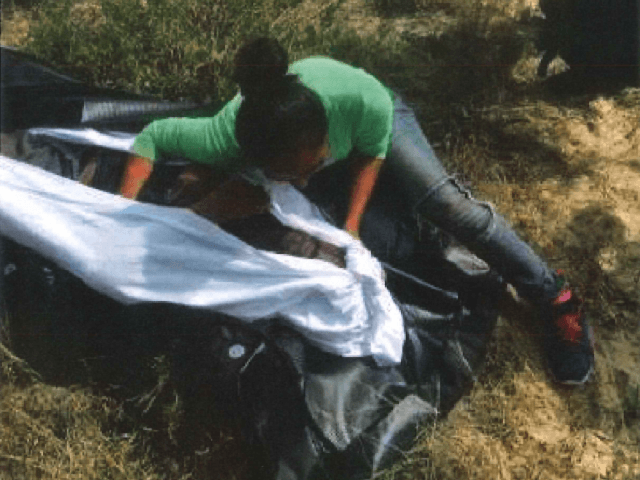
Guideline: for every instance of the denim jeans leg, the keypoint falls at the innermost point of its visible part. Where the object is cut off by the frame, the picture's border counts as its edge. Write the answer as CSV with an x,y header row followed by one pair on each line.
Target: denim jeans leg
x,y
437,197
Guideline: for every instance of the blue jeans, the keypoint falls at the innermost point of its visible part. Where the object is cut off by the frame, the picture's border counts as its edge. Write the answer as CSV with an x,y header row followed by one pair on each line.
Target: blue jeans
x,y
433,194
413,185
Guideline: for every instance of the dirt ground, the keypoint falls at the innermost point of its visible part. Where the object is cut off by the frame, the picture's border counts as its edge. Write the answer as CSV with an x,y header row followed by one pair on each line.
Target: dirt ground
x,y
518,425
566,172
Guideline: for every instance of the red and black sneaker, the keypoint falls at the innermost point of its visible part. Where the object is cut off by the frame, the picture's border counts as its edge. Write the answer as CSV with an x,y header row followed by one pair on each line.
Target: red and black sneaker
x,y
569,339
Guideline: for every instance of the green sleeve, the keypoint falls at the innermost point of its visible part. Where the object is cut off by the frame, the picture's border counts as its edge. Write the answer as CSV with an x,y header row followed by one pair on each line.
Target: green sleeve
x,y
373,132
208,140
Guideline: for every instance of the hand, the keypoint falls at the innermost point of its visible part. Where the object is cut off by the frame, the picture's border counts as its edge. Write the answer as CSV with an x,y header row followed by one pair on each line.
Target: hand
x,y
353,232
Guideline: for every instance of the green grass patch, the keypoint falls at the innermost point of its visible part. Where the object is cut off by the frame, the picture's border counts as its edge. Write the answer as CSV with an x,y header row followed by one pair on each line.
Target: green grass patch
x,y
174,49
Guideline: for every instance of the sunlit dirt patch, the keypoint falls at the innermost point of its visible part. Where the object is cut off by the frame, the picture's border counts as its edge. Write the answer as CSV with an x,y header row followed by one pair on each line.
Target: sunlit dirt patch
x,y
527,430
584,216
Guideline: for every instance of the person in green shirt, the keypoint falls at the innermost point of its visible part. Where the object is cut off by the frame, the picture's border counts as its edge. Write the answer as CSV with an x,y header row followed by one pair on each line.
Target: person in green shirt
x,y
288,122
346,110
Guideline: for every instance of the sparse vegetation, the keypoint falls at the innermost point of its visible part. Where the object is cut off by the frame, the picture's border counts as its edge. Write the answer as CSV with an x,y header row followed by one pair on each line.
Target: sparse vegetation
x,y
565,170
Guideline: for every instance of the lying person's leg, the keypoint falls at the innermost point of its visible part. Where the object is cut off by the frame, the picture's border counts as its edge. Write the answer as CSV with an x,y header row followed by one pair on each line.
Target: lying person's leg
x,y
436,197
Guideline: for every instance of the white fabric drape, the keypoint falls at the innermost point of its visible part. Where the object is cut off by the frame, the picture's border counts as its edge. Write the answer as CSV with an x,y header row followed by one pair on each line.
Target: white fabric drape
x,y
135,252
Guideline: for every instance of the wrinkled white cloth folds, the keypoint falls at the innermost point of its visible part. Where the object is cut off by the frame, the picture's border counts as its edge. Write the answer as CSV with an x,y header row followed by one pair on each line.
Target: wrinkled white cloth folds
x,y
135,252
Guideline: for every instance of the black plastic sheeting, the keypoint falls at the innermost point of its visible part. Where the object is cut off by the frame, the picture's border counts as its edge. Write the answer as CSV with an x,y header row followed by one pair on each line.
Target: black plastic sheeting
x,y
304,414
35,95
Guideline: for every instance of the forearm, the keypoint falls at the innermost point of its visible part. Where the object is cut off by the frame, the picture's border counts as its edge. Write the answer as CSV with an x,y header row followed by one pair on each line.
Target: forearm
x,y
136,173
366,171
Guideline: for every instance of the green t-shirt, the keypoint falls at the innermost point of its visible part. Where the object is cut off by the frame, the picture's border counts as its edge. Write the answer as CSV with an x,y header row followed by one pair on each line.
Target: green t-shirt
x,y
359,111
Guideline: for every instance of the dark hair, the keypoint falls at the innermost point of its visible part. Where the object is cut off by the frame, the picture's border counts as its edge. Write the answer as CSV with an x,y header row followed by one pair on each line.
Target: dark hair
x,y
278,114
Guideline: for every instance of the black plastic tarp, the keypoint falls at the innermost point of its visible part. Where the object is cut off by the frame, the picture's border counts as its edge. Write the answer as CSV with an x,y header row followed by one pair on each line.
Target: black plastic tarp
x,y
309,414
35,95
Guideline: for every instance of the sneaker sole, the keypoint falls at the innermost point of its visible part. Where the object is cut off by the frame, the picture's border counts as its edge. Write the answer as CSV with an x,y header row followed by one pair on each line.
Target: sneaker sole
x,y
575,383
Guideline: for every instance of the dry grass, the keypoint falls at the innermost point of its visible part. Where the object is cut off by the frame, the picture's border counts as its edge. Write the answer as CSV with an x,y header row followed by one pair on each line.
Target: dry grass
x,y
54,432
73,433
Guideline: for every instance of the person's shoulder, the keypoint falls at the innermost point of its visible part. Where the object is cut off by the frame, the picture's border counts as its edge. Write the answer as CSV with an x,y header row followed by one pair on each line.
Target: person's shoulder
x,y
318,62
232,106
340,76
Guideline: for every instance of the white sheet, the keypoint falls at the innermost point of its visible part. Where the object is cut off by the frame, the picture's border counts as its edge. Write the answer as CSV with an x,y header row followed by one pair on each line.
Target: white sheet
x,y
88,136
136,252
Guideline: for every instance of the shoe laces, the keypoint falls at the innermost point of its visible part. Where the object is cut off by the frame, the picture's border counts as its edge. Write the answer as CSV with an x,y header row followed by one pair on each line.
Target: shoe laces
x,y
567,309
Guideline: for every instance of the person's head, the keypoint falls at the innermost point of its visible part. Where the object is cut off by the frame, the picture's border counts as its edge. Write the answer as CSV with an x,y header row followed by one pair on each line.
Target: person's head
x,y
281,124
